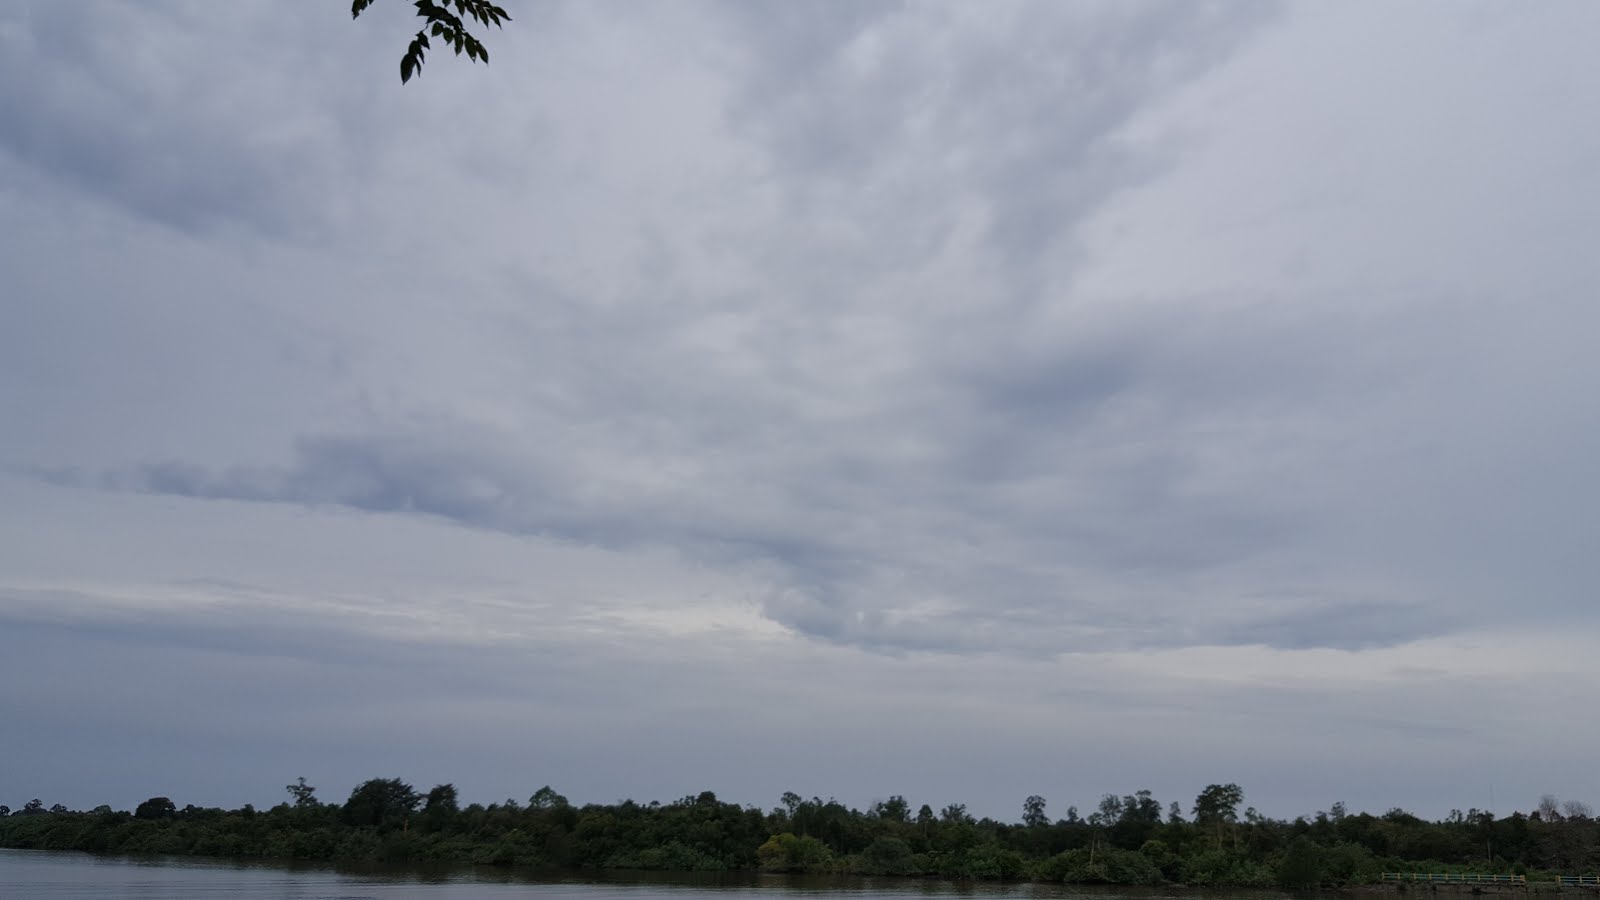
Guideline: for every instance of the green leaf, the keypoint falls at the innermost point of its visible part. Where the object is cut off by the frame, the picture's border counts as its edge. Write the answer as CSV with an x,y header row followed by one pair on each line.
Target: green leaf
x,y
411,63
444,19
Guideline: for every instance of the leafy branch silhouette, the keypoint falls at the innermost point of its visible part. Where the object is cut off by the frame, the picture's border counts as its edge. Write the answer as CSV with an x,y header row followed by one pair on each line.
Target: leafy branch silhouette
x,y
447,21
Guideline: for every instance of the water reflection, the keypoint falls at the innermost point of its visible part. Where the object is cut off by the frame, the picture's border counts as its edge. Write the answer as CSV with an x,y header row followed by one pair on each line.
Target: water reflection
x,y
66,876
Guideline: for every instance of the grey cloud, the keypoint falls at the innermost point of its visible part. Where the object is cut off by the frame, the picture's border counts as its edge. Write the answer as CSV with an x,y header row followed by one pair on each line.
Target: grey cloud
x,y
903,113
150,109
372,473
1354,624
1119,357
250,625
577,713
1046,517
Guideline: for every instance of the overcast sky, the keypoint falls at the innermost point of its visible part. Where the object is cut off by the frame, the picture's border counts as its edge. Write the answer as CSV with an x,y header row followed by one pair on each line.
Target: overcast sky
x,y
958,400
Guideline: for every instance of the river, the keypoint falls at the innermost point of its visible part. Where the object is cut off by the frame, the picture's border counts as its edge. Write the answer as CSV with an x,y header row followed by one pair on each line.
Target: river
x,y
28,874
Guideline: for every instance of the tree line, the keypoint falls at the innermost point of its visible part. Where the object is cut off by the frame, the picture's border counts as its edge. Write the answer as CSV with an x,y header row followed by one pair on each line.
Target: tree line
x,y
1126,839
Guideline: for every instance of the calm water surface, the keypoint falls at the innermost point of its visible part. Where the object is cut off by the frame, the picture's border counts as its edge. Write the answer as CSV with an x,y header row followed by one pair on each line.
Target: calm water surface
x,y
28,874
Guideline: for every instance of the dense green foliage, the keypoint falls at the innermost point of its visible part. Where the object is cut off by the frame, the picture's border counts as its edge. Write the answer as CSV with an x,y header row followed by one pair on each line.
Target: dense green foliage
x,y
1127,840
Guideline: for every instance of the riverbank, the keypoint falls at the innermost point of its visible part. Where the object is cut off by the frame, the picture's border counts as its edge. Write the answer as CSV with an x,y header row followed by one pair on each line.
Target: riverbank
x,y
1126,843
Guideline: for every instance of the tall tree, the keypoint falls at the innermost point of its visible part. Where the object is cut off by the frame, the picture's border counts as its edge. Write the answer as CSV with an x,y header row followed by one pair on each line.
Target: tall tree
x,y
894,809
1110,810
546,798
1141,808
381,803
156,808
440,807
1218,807
305,796
1549,808
1033,812
955,814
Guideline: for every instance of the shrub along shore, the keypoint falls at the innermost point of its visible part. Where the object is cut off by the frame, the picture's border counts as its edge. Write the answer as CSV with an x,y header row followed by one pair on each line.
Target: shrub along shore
x,y
1126,840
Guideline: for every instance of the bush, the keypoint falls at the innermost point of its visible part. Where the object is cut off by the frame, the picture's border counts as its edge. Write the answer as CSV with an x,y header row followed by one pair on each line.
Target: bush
x,y
1301,866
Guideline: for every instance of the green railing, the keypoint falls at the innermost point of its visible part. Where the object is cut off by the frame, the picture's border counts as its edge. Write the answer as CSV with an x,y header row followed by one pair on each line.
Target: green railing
x,y
1454,878
1457,878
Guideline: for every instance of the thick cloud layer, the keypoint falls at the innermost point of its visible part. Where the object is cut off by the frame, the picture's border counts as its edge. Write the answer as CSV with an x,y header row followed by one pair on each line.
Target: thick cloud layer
x,y
1158,370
